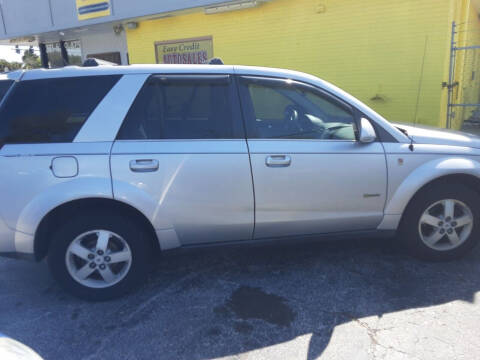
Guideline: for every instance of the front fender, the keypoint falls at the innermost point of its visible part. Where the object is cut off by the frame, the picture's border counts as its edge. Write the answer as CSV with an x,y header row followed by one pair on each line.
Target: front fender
x,y
426,173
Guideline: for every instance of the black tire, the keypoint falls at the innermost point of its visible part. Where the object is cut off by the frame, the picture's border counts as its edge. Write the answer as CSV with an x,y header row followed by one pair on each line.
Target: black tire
x,y
135,236
409,227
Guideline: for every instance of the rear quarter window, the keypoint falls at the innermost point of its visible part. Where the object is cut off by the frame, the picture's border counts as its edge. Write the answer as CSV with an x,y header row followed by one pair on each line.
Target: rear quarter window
x,y
51,110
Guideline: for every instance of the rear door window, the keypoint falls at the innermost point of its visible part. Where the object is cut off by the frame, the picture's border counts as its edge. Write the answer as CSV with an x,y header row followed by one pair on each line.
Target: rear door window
x,y
51,110
179,107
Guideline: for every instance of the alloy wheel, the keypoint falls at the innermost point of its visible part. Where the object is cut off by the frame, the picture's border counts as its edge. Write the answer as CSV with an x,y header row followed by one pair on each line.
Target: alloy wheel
x,y
98,258
446,224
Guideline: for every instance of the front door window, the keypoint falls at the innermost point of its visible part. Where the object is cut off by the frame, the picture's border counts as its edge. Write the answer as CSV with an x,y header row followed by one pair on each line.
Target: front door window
x,y
290,110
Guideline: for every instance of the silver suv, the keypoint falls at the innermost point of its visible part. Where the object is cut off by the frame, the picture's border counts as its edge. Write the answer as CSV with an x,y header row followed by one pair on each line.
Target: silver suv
x,y
101,168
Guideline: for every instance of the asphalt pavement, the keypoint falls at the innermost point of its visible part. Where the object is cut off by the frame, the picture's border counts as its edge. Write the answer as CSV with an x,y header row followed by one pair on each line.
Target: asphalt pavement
x,y
358,299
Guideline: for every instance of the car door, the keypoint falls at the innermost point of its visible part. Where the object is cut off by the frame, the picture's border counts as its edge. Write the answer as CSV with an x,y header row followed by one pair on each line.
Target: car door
x,y
181,158
310,173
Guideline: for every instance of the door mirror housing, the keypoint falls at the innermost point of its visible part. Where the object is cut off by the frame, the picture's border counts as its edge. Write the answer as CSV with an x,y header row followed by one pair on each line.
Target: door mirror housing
x,y
367,132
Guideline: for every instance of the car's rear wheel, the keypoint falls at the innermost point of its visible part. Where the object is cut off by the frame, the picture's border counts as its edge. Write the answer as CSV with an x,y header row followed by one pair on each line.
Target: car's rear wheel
x,y
99,257
442,222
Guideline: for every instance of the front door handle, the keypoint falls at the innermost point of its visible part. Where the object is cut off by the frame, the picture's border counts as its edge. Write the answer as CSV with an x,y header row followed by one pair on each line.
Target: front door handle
x,y
278,160
144,165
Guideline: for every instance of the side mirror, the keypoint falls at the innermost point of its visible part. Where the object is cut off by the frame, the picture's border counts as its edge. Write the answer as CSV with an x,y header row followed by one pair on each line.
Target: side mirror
x,y
367,132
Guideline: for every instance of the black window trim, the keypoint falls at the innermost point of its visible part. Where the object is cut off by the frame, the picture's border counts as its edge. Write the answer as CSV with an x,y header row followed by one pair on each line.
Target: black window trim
x,y
213,79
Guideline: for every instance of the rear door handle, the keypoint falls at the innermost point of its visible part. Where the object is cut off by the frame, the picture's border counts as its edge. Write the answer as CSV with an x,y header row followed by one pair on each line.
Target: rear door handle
x,y
278,160
144,165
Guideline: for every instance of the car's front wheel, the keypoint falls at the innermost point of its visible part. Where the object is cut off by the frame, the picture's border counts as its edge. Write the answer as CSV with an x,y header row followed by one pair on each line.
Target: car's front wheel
x,y
442,222
99,257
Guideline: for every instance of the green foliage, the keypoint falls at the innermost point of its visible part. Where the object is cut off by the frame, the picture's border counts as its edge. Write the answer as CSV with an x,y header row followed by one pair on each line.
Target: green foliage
x,y
9,66
31,60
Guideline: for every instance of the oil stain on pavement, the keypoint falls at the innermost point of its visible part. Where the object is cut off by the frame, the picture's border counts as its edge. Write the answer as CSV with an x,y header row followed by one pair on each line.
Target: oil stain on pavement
x,y
253,303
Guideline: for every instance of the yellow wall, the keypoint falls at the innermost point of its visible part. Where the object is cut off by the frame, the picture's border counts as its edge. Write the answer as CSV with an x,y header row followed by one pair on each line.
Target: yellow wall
x,y
373,49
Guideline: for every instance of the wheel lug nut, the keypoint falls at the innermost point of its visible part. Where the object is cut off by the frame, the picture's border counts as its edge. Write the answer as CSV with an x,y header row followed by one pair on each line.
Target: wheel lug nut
x,y
449,231
442,231
440,223
448,218
92,265
100,252
454,223
107,258
91,256
102,266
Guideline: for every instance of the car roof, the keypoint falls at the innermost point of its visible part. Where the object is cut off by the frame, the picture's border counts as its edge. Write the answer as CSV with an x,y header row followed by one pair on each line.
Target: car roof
x,y
75,71
11,75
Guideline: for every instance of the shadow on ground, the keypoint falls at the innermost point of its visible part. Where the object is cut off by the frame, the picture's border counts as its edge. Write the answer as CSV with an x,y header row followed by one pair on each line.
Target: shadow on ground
x,y
214,303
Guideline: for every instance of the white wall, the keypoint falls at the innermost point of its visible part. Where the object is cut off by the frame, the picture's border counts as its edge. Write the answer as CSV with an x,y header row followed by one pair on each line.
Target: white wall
x,y
22,16
34,17
103,43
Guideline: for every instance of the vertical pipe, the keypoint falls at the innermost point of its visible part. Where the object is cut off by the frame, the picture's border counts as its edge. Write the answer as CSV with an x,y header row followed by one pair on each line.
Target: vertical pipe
x,y
63,50
451,78
43,55
420,80
3,19
111,8
51,12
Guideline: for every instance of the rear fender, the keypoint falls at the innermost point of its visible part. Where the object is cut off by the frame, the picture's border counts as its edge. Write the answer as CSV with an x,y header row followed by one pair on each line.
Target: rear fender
x,y
53,196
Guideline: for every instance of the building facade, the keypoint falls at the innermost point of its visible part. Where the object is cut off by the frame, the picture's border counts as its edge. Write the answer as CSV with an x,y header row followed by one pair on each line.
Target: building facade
x,y
393,55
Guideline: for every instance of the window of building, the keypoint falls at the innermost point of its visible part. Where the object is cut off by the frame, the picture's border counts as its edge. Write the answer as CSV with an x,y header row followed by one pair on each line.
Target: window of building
x,y
284,109
52,110
113,57
181,109
74,53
